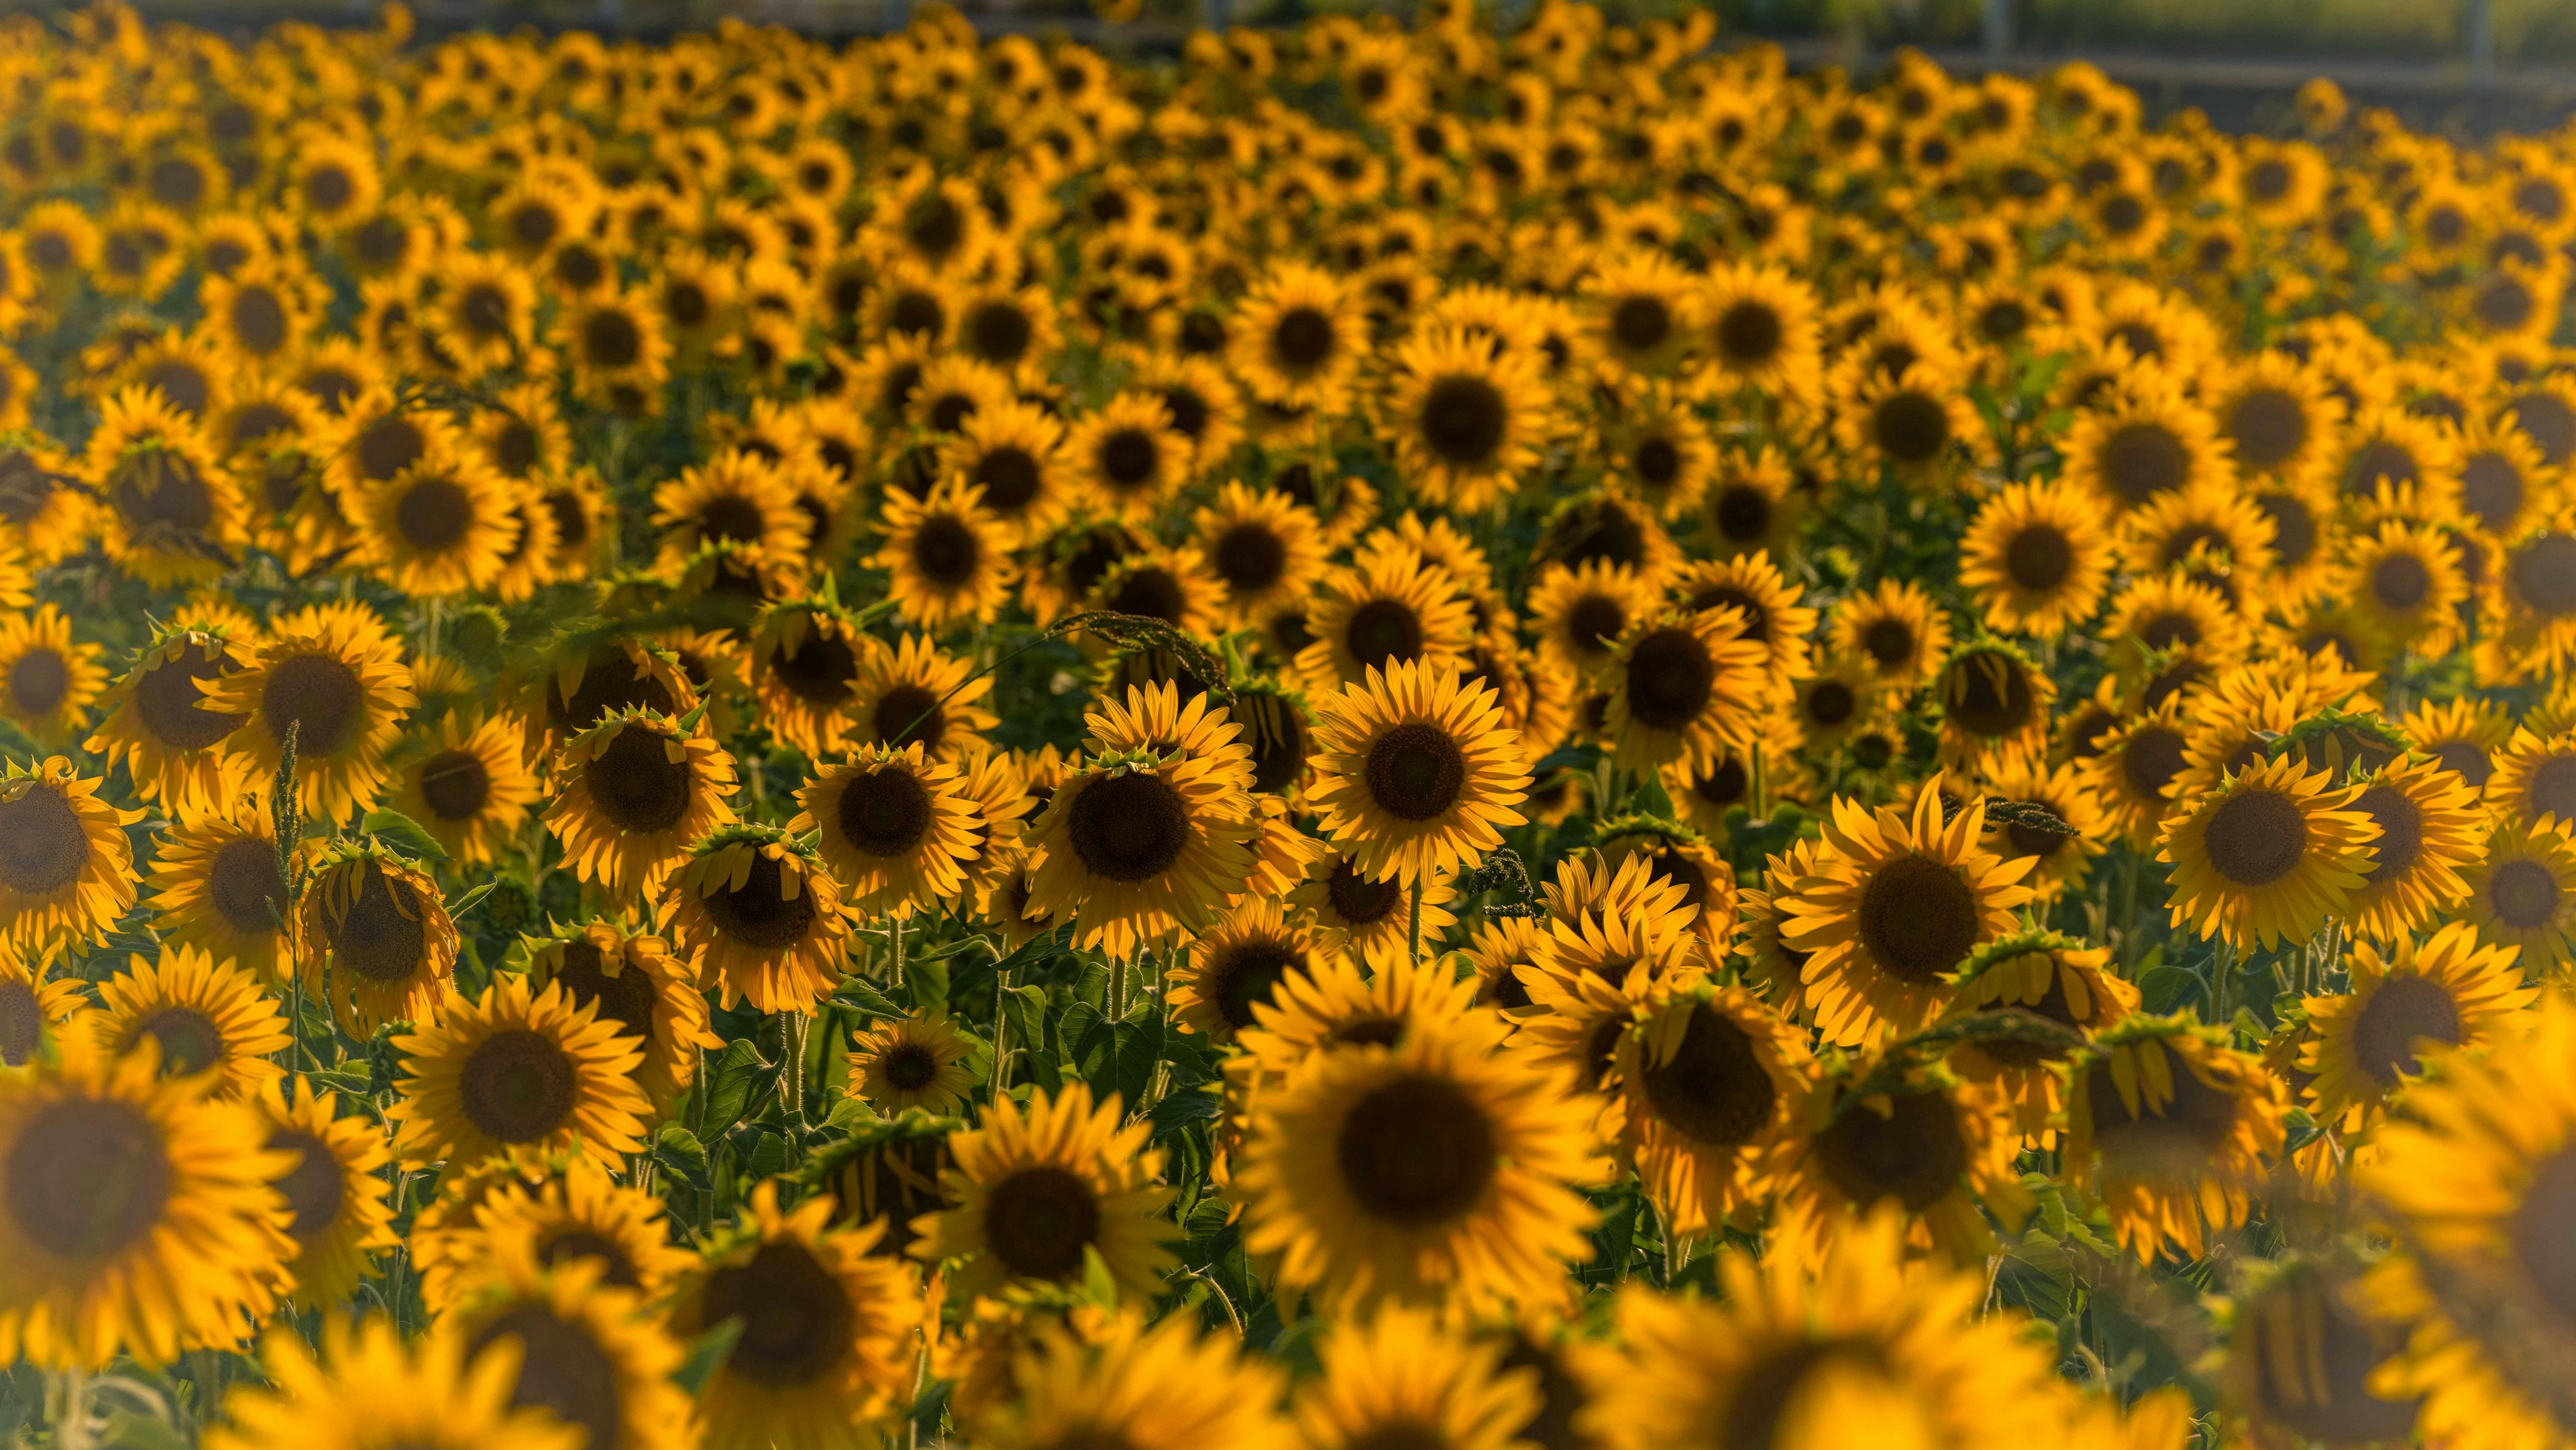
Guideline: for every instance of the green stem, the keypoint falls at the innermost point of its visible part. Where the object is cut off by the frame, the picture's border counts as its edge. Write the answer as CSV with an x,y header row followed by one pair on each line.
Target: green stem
x,y
791,1066
1416,932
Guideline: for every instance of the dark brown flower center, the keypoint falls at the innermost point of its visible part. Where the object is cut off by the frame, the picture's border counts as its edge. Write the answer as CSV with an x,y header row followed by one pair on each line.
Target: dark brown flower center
x,y
1914,1153
2256,837
797,1319
320,697
314,1188
518,1086
2039,558
562,1369
2524,895
1303,339
1713,1089
22,1022
885,812
627,999
87,1178
1128,827
1918,918
2404,1011
636,785
947,551
1244,974
43,847
1039,1220
189,1040
1381,631
455,785
381,937
1415,771
822,669
2150,759
1417,1152
2142,460
1909,427
1671,678
38,681
1641,324
1463,420
1749,333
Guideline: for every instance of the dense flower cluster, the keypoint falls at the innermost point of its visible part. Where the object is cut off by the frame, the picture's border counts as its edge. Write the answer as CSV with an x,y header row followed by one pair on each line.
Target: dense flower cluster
x,y
1392,737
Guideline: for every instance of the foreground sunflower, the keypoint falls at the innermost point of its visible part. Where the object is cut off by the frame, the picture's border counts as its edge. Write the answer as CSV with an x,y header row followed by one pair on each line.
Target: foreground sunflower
x,y
371,1389
2267,856
1711,1079
135,1213
1038,1192
1164,1386
1398,1375
590,1355
2172,1127
1416,774
517,1071
2407,1005
827,1349
66,868
1433,1171
1135,847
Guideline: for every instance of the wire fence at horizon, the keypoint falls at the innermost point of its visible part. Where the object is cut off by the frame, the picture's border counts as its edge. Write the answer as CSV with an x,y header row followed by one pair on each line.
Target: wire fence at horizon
x,y
1389,737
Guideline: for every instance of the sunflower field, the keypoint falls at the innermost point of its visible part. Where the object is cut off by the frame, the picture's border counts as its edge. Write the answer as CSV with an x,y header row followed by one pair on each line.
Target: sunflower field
x,y
1394,736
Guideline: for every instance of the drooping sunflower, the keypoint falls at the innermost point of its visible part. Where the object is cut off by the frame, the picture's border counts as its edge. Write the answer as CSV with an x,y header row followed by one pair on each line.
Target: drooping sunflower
x,y
1415,775
2302,1356
468,786
828,1348
2430,829
1432,1171
46,680
66,868
1898,902
1037,1191
633,794
208,1021
2056,979
1711,1078
1860,1346
333,676
157,723
135,1212
371,1388
594,1356
338,1216
759,917
2267,855
2171,1127
373,937
946,555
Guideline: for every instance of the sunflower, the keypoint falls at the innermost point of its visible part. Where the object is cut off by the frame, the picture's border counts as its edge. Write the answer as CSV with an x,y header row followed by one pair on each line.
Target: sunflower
x,y
1415,775
66,867
1897,630
40,511
1711,1078
486,312
139,1217
1859,1347
1267,550
332,677
379,920
617,350
2429,830
338,1214
759,917
1297,339
633,794
209,1021
2405,582
46,681
2036,559
946,555
827,1349
1761,334
517,1071
1137,846
904,1063
1433,1170
2407,1004
1037,1191
2036,974
1644,312
590,1355
1239,965
496,1213
806,658
157,723
1163,1386
468,786
1127,458
1906,421
1881,1131
2522,894
633,982
2302,1356
2473,1179
444,525
2267,855
1664,455
737,496
170,509
1898,901
1387,609
32,1009
1467,422
1400,1375
893,826
216,885
1361,914
1013,452
2172,1128
371,1388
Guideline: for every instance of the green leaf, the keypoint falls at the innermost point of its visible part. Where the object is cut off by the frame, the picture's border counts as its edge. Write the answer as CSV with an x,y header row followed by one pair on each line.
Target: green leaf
x,y
729,1083
1650,797
400,831
456,909
1088,1043
1182,1107
2169,989
708,1355
1139,1049
682,1155
768,1155
352,1079
2039,1276
856,992
928,979
126,1430
1098,1287
1026,1008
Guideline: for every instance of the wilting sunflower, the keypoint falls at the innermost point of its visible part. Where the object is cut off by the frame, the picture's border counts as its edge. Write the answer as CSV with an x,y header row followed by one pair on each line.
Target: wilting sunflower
x,y
912,1062
1467,422
1239,965
592,1355
1898,902
1298,339
2522,893
468,786
371,1388
2267,856
1860,1347
444,525
1711,1077
633,794
517,1071
1415,775
760,918
171,511
66,868
46,681
893,827
1430,1171
2043,975
2172,1127
1163,1386
2407,1004
2475,1180
333,676
2036,559
827,1350
335,1202
138,1216
632,982
1038,1190
373,938
2430,829
1137,846
946,555
208,1021
157,723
